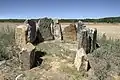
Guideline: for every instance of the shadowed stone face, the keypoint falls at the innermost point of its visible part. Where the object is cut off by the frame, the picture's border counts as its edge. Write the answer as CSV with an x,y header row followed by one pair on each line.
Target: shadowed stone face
x,y
31,30
27,56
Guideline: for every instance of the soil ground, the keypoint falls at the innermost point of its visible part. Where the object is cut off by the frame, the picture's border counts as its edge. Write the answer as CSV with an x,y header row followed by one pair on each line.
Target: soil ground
x,y
55,64
57,61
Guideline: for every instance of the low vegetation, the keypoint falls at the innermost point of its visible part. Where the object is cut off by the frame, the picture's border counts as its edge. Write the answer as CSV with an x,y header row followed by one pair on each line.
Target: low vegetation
x,y
100,20
106,60
6,42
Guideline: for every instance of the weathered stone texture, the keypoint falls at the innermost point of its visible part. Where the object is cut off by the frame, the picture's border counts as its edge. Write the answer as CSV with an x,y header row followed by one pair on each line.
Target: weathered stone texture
x,y
81,60
85,41
80,26
45,28
70,33
20,38
27,57
84,47
31,31
94,39
57,32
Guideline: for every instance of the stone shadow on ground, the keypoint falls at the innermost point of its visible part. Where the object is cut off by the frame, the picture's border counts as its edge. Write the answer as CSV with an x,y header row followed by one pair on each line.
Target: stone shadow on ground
x,y
38,59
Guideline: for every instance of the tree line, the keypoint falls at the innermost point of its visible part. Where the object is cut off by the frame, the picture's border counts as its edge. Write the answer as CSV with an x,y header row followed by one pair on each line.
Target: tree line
x,y
100,20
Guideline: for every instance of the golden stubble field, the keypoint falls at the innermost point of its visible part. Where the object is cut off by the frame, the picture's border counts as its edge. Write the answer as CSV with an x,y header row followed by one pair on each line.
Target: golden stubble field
x,y
111,30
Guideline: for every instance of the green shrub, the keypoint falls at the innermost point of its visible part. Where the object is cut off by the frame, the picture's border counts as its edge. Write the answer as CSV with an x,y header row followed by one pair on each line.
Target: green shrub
x,y
6,42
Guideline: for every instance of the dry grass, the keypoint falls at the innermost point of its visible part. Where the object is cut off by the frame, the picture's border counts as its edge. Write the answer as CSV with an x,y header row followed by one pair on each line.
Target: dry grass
x,y
6,41
106,59
111,30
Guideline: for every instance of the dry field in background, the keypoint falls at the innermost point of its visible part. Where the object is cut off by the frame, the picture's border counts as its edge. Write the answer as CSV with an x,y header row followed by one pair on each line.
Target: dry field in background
x,y
111,30
7,24
58,60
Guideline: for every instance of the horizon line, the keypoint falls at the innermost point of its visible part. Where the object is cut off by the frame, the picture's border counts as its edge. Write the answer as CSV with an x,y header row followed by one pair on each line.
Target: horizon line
x,y
61,18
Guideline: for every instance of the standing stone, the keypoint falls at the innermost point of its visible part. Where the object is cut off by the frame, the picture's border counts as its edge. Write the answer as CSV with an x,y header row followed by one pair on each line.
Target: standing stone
x,y
84,41
70,33
57,32
39,37
52,30
90,39
94,39
20,36
92,33
31,31
81,61
80,27
27,57
45,29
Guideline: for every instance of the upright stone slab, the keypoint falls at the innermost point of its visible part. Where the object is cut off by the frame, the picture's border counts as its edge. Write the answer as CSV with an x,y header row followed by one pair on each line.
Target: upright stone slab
x,y
27,54
84,41
80,27
45,28
57,32
70,33
94,39
52,29
31,31
92,33
20,36
27,57
81,61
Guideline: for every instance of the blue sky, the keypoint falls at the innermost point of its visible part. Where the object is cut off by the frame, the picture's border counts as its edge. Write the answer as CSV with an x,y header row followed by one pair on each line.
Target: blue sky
x,y
59,8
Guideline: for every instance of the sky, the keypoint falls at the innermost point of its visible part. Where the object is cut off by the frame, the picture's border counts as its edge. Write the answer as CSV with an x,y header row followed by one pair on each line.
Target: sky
x,y
80,9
